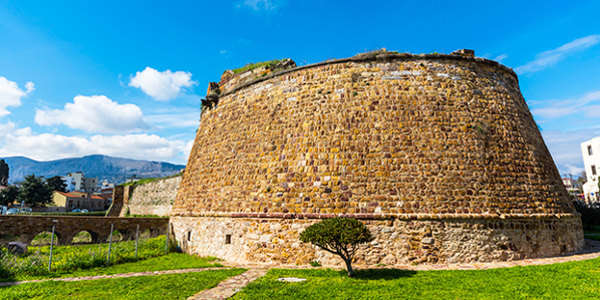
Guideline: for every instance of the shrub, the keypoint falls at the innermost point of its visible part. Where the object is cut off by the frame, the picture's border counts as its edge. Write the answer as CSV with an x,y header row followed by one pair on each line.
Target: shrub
x,y
315,263
590,214
340,236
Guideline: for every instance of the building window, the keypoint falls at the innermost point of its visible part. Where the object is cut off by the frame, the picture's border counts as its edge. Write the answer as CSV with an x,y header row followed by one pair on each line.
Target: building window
x,y
590,150
227,239
189,237
593,170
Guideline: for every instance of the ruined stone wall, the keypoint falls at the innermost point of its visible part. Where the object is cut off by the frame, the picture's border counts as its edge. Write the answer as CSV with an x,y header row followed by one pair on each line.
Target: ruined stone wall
x,y
27,227
153,198
397,242
446,138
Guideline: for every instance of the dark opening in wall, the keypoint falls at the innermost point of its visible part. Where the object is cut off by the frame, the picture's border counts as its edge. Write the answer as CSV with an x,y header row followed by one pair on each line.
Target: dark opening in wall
x,y
189,236
227,239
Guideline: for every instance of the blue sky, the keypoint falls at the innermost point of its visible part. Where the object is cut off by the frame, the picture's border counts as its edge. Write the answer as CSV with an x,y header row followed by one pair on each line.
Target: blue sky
x,y
125,78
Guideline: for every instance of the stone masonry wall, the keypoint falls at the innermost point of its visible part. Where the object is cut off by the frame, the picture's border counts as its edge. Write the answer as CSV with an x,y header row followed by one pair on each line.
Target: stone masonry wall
x,y
396,136
261,240
381,137
154,198
27,227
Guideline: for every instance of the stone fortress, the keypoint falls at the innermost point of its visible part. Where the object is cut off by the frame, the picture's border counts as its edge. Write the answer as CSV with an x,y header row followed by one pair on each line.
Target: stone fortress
x,y
437,154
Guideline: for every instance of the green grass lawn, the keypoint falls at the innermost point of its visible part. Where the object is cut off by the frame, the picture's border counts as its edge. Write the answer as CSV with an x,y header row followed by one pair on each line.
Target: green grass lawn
x,y
172,286
579,280
171,261
68,259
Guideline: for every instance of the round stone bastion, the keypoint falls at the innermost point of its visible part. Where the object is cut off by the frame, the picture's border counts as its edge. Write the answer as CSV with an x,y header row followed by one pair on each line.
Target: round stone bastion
x,y
437,154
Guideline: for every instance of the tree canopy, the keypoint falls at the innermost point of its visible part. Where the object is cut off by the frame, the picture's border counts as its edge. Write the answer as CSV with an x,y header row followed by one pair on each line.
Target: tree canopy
x,y
340,236
8,195
4,169
34,192
56,183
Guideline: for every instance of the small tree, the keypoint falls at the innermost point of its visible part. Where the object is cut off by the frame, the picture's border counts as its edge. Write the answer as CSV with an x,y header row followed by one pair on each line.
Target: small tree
x,y
340,236
8,195
34,191
4,170
56,183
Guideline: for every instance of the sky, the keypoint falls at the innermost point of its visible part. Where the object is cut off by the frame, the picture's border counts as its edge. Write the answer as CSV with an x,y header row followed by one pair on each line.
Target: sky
x,y
125,78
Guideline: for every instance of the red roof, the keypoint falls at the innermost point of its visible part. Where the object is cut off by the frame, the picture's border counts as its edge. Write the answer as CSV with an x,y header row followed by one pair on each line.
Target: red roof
x,y
79,195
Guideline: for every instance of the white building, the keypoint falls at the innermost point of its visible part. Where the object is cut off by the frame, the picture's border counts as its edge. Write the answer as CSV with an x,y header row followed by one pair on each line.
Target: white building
x,y
76,181
590,150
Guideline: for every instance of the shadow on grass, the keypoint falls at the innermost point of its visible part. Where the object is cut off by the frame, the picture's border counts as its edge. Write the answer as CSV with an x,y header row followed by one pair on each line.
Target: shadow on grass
x,y
5,275
385,274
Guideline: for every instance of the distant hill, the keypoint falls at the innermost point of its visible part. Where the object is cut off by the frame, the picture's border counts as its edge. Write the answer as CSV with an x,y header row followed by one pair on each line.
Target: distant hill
x,y
113,169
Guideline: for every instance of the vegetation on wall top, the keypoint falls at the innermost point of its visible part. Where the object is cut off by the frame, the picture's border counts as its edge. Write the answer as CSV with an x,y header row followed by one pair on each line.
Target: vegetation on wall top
x,y
252,66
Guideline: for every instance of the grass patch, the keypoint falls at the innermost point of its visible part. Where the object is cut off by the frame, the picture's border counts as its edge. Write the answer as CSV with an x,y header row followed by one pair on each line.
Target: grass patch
x,y
171,286
253,66
150,179
54,213
146,216
558,281
67,259
171,261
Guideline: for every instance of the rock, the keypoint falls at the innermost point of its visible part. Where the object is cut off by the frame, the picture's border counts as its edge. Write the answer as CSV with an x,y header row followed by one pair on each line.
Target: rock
x,y
427,240
17,248
291,279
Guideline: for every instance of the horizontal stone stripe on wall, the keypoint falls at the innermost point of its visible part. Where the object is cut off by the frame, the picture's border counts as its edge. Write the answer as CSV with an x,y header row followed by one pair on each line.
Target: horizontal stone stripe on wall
x,y
386,216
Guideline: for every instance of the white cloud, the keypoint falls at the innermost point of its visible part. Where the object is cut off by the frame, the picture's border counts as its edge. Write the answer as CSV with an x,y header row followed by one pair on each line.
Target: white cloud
x,y
94,114
188,149
46,146
565,148
11,94
500,57
560,108
162,86
260,5
175,120
550,57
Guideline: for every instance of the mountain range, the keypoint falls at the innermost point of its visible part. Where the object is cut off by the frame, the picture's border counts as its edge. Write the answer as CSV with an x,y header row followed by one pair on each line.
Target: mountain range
x,y
113,169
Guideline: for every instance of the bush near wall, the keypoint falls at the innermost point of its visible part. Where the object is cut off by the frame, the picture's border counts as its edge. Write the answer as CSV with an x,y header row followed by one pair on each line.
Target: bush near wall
x,y
590,214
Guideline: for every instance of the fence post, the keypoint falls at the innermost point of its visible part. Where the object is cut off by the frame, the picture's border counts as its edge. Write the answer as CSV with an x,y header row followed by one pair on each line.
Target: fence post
x,y
51,248
109,243
137,235
167,240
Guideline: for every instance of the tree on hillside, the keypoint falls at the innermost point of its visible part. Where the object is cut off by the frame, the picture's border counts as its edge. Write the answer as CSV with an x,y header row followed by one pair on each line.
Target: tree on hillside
x,y
34,192
581,179
9,195
3,173
56,183
340,236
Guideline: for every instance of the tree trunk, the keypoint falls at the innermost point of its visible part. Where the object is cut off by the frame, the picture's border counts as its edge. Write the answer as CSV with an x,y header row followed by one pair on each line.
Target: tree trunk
x,y
349,267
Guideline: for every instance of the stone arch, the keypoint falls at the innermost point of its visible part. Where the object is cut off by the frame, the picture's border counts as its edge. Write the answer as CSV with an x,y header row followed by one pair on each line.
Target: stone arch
x,y
127,234
43,238
84,237
145,233
117,235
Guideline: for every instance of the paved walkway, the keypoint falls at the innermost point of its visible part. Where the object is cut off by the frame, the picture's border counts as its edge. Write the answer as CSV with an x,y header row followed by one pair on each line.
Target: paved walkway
x,y
229,287
123,275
